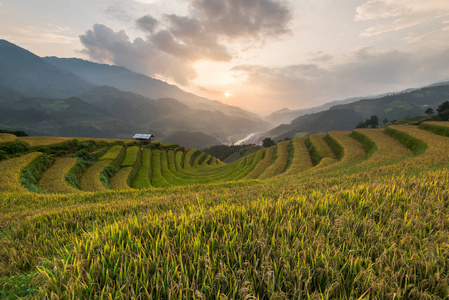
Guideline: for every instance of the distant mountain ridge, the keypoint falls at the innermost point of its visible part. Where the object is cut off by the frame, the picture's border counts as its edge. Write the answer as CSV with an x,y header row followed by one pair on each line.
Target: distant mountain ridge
x,y
394,106
68,97
126,80
285,115
28,73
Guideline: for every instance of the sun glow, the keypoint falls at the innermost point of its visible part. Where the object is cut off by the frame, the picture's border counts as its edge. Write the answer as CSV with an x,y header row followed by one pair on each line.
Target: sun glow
x,y
228,94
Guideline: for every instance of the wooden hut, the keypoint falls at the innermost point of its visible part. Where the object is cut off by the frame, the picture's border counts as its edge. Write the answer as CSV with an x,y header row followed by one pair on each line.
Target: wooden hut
x,y
145,138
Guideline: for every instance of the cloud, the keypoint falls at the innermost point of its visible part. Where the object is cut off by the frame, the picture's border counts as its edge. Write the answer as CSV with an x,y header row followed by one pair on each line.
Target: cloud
x,y
370,71
148,1
38,35
117,12
319,56
147,23
405,14
378,9
259,19
104,45
213,30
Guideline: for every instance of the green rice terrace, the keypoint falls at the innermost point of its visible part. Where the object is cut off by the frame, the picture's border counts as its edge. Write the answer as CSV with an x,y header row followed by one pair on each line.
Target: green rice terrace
x,y
342,215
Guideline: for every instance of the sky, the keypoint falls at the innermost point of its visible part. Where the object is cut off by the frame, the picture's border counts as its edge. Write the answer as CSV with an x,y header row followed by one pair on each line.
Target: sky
x,y
261,55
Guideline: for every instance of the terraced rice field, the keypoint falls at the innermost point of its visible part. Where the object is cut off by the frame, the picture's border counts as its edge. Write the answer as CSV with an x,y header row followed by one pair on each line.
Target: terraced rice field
x,y
7,138
369,219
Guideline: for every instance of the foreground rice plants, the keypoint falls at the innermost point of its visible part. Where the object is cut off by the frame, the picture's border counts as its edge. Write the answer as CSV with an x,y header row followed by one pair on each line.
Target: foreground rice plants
x,y
366,226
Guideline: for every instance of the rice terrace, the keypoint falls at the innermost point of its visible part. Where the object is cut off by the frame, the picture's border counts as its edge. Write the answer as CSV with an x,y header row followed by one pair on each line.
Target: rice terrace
x,y
360,214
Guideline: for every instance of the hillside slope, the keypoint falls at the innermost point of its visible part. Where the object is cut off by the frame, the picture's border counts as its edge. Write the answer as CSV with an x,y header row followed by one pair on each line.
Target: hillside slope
x,y
30,74
368,220
126,80
347,116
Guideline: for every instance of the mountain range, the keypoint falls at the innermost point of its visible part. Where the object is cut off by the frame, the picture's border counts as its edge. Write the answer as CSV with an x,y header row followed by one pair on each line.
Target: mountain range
x,y
394,106
74,97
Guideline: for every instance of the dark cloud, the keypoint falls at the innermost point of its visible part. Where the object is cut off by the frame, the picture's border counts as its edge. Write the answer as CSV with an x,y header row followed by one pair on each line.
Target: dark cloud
x,y
104,45
235,18
210,31
147,23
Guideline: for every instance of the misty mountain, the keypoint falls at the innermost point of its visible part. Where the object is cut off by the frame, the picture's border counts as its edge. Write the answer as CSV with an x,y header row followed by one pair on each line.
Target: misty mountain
x,y
126,80
62,117
347,116
168,116
285,116
59,102
31,75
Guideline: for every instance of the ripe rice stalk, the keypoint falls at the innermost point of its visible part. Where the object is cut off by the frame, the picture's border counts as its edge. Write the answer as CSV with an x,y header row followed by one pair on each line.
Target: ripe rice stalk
x,y
386,147
11,170
35,141
143,175
54,179
280,163
91,180
301,158
120,180
7,138
130,157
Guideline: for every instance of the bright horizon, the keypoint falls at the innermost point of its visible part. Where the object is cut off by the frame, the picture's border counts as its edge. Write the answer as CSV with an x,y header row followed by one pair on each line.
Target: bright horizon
x,y
261,55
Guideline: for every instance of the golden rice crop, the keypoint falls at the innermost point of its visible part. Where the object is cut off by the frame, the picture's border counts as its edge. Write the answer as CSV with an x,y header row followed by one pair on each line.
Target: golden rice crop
x,y
171,157
263,164
7,138
143,175
112,153
344,232
91,182
120,180
358,236
35,141
279,165
301,158
321,146
206,161
436,152
437,123
257,157
53,179
131,156
157,179
441,128
111,141
188,157
11,169
388,148
179,160
353,151
198,159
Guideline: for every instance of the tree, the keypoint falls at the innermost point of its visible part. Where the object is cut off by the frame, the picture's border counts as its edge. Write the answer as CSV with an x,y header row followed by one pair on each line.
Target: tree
x,y
373,122
429,111
385,121
361,124
268,142
443,106
443,111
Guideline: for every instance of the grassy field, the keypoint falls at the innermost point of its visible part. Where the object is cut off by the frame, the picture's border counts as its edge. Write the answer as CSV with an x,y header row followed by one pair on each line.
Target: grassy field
x,y
369,221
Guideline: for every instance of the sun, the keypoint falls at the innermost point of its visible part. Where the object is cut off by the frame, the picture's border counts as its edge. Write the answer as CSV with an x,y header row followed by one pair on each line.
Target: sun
x,y
228,94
